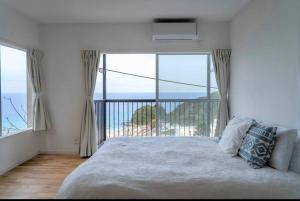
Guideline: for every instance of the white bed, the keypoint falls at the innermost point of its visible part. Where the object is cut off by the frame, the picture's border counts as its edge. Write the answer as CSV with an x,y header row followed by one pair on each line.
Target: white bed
x,y
173,167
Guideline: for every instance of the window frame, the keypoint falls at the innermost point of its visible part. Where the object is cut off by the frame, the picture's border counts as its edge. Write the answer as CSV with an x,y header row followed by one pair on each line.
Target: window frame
x,y
104,71
208,98
29,92
157,54
208,84
179,54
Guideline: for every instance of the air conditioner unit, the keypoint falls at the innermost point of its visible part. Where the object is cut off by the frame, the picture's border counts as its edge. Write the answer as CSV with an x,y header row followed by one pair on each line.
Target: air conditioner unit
x,y
174,31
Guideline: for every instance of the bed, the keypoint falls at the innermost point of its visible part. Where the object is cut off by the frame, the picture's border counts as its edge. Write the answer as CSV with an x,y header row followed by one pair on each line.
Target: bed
x,y
173,167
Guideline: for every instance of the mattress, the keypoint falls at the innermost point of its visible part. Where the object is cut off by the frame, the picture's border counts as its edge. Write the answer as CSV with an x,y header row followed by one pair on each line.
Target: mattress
x,y
173,167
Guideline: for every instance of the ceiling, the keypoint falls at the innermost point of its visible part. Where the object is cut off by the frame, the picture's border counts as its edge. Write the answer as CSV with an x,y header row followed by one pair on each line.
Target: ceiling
x,y
109,11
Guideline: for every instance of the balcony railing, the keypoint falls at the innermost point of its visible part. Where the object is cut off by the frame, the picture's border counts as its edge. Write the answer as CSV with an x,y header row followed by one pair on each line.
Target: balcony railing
x,y
117,118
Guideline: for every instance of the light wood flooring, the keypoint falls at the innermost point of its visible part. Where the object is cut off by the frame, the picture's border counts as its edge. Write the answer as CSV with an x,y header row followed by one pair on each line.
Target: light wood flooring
x,y
40,177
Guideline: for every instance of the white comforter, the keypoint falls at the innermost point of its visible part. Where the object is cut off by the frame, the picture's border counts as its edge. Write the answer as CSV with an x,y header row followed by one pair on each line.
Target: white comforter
x,y
173,167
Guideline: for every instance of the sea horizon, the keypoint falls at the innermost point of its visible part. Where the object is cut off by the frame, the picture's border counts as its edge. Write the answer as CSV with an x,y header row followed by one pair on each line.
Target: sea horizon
x,y
150,95
11,119
13,113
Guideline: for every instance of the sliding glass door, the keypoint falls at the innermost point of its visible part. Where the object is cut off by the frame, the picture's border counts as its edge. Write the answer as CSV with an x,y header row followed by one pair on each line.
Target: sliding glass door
x,y
183,76
156,95
183,92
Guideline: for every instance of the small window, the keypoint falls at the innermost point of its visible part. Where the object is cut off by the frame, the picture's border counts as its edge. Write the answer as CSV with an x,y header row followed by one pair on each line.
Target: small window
x,y
14,90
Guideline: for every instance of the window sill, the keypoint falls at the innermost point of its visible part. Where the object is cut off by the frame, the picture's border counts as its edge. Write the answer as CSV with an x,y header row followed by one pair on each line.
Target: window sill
x,y
16,133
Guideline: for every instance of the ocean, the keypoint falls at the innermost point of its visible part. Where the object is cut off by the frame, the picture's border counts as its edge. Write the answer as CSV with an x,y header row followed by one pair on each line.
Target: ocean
x,y
14,112
171,95
121,113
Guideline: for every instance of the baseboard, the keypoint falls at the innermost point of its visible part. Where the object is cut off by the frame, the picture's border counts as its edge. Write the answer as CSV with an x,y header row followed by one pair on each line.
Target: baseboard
x,y
17,164
59,152
34,155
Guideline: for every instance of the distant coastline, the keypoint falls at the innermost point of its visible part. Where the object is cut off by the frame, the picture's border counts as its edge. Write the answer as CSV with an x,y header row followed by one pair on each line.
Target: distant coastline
x,y
19,100
122,117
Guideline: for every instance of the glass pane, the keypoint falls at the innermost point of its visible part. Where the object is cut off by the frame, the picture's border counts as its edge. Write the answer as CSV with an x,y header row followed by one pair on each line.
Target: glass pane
x,y
183,118
214,104
13,90
130,76
182,76
214,108
214,93
98,94
134,118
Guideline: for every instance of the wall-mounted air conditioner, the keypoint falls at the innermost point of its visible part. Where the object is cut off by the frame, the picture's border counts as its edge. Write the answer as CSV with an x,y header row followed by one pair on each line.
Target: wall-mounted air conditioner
x,y
174,31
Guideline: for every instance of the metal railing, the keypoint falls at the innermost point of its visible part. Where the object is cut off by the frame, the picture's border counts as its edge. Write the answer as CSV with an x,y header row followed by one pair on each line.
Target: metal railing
x,y
117,118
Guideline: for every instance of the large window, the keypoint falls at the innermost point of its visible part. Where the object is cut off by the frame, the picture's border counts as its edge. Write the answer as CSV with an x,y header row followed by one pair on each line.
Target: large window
x,y
182,76
129,76
14,100
157,94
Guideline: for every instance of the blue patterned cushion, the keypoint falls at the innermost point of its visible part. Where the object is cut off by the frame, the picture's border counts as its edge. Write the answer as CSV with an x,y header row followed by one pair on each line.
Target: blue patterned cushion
x,y
258,145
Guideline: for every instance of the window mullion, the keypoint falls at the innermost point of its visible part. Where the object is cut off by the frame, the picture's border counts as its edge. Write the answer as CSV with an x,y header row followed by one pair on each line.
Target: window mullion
x,y
157,112
0,96
208,96
104,96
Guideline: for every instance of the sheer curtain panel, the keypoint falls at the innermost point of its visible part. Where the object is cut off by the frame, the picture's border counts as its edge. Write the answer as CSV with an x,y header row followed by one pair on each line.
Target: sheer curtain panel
x,y
40,114
221,61
88,134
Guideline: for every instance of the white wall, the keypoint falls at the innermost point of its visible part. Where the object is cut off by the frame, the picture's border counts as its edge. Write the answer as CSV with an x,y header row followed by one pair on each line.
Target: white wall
x,y
63,70
299,68
16,149
265,62
17,30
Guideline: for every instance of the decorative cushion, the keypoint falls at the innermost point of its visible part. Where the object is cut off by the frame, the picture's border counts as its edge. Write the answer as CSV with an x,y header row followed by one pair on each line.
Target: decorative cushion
x,y
233,136
258,145
283,150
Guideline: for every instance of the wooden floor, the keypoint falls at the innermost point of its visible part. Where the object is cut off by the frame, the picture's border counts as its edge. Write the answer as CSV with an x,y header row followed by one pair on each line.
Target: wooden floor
x,y
40,177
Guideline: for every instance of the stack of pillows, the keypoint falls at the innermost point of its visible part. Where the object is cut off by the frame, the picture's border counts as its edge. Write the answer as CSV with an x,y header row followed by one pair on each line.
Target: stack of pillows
x,y
258,143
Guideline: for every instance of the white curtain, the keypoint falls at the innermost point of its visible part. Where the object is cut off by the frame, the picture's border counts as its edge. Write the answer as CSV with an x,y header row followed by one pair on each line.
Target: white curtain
x,y
221,60
88,134
40,115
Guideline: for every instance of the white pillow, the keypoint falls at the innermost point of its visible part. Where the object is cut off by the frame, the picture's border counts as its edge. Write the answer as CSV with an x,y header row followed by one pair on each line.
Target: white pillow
x,y
233,135
283,150
295,160
284,146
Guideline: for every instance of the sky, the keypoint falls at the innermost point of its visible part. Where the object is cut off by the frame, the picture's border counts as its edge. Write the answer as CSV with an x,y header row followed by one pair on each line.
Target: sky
x,y
138,64
13,70
181,68
191,69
